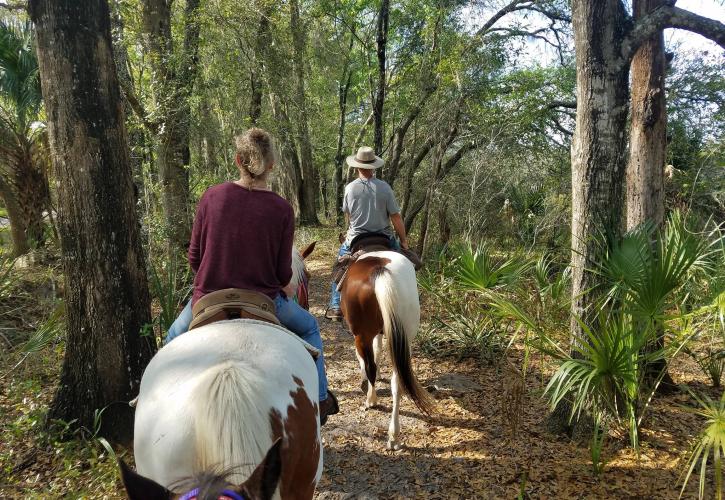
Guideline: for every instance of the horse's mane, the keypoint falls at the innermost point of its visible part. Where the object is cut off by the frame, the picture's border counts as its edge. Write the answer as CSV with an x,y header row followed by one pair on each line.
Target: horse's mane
x,y
231,431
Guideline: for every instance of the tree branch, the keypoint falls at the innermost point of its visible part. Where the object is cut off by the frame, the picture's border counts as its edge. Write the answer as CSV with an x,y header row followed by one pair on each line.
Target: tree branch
x,y
561,128
669,16
553,15
511,7
402,130
561,104
137,107
455,158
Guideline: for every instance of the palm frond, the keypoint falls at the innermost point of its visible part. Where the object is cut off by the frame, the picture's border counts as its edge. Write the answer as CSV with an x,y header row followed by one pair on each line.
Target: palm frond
x,y
49,331
479,270
710,442
19,72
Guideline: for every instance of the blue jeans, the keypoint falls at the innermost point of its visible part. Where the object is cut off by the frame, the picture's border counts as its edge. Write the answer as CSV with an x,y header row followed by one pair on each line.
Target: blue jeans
x,y
345,249
180,324
293,317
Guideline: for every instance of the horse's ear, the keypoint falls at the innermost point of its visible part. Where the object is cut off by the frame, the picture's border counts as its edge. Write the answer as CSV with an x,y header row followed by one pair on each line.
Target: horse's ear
x,y
262,484
307,251
141,488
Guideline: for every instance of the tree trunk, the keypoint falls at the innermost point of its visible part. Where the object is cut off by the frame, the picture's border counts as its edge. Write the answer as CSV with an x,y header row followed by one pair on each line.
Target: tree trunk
x,y
16,219
137,137
208,139
172,84
441,171
597,153
435,178
351,172
308,191
645,172
444,227
343,89
427,205
407,192
598,146
287,181
648,137
256,78
400,133
107,297
32,194
381,44
412,168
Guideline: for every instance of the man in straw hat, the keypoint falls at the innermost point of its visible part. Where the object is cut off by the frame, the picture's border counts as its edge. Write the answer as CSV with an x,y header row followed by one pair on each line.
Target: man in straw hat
x,y
370,207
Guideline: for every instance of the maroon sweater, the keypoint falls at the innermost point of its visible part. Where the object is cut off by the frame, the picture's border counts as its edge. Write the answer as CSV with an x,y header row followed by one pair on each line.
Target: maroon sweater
x,y
241,239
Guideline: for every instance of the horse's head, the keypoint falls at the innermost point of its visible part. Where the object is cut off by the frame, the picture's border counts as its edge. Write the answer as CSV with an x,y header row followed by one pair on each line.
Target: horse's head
x,y
300,274
261,485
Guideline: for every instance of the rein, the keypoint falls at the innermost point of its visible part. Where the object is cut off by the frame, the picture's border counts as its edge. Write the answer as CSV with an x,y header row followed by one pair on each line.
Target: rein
x,y
224,495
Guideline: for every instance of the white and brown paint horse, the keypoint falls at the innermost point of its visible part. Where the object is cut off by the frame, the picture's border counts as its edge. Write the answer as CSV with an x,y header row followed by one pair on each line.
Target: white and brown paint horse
x,y
380,298
219,400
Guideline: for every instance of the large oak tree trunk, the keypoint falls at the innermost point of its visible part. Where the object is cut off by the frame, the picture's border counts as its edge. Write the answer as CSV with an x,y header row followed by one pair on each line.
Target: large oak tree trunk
x,y
598,146
107,297
597,153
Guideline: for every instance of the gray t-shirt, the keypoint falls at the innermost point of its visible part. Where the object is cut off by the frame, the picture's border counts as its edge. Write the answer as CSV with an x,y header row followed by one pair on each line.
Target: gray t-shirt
x,y
370,203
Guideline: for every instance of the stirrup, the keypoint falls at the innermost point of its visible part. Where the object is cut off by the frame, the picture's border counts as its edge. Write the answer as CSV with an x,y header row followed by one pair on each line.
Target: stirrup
x,y
333,318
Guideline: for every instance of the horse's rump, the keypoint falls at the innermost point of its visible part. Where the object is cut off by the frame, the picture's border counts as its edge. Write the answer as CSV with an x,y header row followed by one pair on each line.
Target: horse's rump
x,y
219,396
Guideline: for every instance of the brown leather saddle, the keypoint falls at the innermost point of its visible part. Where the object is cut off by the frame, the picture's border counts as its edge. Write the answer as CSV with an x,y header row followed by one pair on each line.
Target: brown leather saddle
x,y
233,303
370,242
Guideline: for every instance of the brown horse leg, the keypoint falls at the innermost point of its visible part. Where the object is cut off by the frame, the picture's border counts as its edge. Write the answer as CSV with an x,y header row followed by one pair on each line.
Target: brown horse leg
x,y
366,358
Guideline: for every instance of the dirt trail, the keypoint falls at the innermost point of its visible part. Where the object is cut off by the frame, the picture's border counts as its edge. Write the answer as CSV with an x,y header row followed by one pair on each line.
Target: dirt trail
x,y
463,451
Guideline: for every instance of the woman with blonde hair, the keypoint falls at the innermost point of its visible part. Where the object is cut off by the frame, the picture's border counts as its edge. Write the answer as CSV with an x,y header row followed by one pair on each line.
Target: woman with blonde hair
x,y
242,238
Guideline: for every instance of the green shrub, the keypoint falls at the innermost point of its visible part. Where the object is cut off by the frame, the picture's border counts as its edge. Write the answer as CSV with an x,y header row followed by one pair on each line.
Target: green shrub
x,y
170,288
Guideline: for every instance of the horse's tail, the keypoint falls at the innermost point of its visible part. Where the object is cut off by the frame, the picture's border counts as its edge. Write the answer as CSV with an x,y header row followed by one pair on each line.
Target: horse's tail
x,y
227,424
397,293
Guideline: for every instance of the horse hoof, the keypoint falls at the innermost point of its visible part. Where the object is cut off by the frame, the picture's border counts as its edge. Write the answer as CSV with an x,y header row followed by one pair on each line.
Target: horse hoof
x,y
394,445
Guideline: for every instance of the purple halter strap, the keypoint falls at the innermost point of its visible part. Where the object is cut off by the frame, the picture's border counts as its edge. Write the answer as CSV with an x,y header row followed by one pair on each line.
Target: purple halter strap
x,y
224,495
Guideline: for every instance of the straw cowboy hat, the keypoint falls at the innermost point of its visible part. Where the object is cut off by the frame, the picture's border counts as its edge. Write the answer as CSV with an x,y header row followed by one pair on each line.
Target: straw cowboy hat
x,y
365,158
